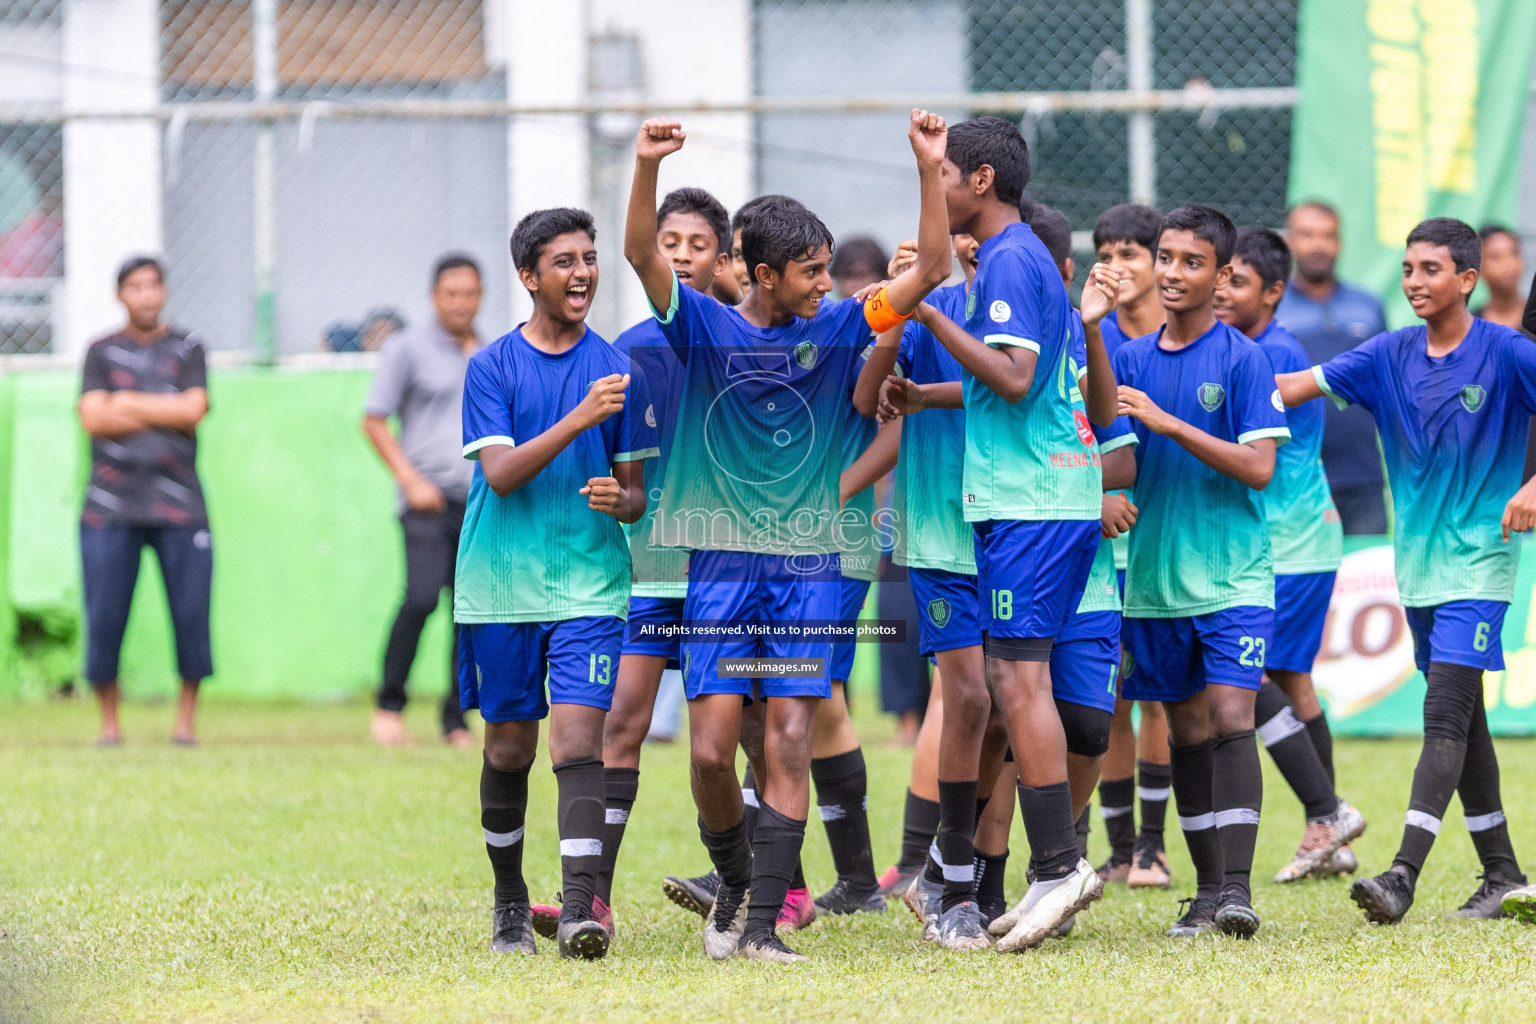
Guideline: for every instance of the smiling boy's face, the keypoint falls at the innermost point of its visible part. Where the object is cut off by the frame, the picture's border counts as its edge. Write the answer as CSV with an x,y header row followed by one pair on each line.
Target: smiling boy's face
x,y
566,279
1430,281
1186,270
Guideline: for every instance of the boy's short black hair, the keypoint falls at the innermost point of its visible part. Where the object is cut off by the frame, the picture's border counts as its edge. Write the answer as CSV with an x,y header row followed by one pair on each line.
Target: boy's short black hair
x,y
697,200
996,142
1266,252
133,263
540,227
1456,235
742,215
454,261
1207,224
1128,222
1051,226
858,256
777,229
1487,231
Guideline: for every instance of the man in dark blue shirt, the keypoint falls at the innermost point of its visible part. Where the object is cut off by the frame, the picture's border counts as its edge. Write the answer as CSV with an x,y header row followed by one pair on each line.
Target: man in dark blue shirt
x,y
1329,318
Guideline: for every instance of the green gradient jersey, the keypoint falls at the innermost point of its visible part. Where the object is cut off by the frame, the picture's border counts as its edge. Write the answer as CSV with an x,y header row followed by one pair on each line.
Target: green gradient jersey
x,y
542,553
1453,431
758,446
933,533
1035,459
1200,543
1304,528
1102,592
858,538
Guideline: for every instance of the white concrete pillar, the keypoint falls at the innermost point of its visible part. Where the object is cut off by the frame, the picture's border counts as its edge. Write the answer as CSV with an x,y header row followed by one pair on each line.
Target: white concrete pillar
x,y
544,48
112,186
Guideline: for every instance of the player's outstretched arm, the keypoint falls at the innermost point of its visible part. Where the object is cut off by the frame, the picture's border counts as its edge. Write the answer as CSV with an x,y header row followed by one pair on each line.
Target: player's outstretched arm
x,y
1119,468
928,134
878,459
658,138
1252,464
1298,387
621,495
507,468
900,397
1008,370
880,364
1100,294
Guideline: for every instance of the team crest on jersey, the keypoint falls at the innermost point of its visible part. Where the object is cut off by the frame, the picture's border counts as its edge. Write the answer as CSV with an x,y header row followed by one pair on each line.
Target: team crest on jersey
x,y
1472,397
1084,429
1277,401
970,304
1211,396
805,354
650,416
1000,312
938,612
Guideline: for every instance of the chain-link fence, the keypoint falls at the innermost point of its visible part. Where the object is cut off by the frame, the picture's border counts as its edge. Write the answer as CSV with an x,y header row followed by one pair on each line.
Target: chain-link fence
x,y
301,163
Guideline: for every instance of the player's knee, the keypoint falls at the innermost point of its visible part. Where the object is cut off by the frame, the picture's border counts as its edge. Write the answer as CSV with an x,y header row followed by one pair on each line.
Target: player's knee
x,y
506,753
1086,728
713,763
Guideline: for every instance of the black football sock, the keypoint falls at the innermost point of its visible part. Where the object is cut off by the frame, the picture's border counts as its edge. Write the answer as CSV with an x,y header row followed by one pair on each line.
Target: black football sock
x,y
1288,742
620,786
1192,795
1237,793
797,880
503,805
730,852
1322,742
1482,804
1084,826
1154,783
750,798
581,799
1050,828
841,786
951,859
991,870
775,854
1116,804
919,826
1450,699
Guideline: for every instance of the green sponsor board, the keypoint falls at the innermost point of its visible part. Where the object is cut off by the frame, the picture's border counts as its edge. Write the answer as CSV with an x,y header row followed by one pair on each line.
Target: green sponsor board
x,y
1409,109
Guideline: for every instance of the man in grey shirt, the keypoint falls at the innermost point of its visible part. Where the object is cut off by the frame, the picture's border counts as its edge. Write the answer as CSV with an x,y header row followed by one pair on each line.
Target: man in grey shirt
x,y
420,382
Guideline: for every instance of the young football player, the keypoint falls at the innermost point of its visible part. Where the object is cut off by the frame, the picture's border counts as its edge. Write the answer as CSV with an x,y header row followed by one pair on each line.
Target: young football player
x,y
1452,398
752,490
1199,585
559,429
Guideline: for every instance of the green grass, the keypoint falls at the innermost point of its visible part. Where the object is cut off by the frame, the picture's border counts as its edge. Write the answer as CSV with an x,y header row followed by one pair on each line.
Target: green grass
x,y
288,870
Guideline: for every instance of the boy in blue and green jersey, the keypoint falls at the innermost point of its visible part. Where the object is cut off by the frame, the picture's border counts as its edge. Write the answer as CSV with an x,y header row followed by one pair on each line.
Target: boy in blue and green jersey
x,y
1136,768
694,235
752,490
1308,544
1032,492
1452,399
1199,586
559,429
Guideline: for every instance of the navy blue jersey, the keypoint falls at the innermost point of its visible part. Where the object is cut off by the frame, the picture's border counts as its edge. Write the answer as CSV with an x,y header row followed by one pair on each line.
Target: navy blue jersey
x,y
1200,543
1453,430
658,571
541,554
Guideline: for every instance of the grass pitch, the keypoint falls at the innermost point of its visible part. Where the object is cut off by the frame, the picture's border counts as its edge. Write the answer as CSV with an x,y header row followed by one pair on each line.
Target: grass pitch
x,y
288,870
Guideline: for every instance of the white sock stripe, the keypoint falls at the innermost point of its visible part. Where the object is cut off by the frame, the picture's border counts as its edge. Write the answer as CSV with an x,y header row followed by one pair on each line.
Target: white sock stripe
x,y
1428,822
1198,823
1143,793
748,797
952,872
1115,812
1484,822
616,816
581,847
831,812
1282,726
1236,816
503,838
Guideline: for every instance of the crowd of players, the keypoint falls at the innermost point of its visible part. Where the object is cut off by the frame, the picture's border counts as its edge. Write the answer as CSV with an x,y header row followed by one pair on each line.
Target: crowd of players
x,y
1118,504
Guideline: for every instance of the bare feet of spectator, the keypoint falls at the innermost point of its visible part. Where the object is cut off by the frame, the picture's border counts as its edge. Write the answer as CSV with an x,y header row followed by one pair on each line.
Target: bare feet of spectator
x,y
389,729
461,738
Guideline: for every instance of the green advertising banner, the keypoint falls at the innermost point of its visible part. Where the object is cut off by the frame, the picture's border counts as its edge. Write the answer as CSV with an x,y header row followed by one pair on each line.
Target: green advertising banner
x,y
1409,109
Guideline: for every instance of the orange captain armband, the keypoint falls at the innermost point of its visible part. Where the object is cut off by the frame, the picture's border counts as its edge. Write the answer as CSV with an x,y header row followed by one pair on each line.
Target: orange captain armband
x,y
880,314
